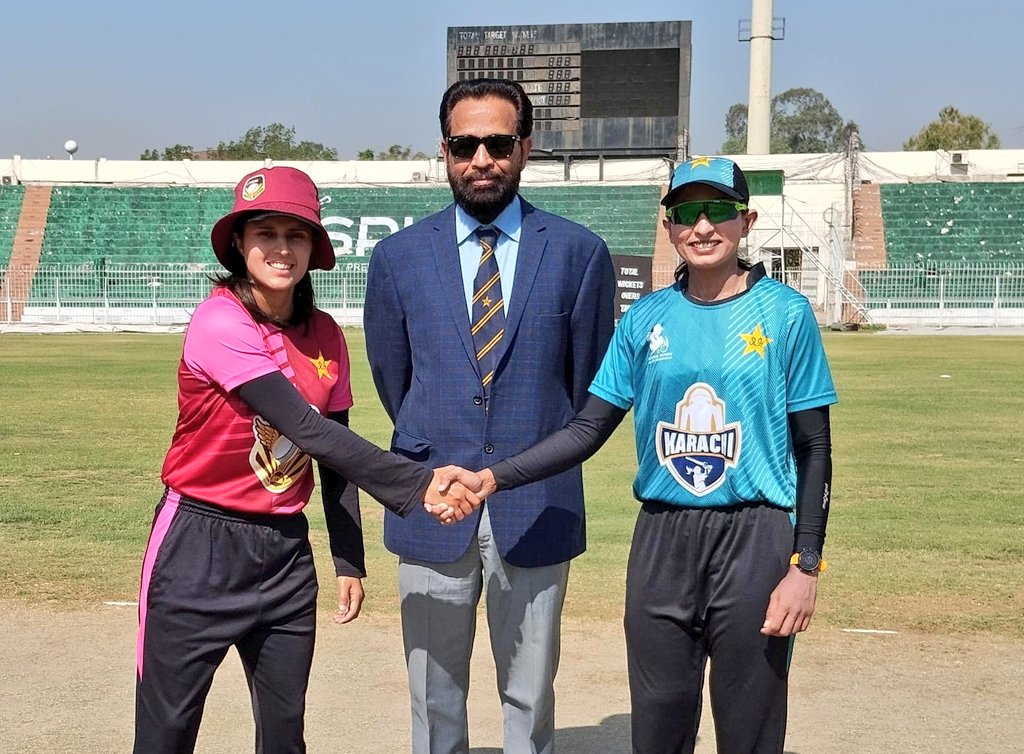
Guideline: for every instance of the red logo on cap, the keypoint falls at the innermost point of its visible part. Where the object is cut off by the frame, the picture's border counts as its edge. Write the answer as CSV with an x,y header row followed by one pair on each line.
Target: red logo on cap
x,y
254,187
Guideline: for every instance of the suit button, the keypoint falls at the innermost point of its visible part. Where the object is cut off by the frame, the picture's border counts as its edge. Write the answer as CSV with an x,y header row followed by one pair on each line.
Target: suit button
x,y
488,448
477,400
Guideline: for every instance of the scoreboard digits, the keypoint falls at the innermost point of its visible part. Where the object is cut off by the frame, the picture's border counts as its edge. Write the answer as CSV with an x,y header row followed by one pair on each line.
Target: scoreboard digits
x,y
548,73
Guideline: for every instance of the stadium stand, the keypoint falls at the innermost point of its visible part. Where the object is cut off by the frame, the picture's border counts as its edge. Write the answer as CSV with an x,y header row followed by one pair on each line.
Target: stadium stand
x,y
148,225
11,198
953,222
95,236
914,245
626,217
946,245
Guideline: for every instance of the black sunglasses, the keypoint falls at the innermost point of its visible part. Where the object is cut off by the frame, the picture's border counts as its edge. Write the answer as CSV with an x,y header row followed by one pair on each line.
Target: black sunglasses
x,y
499,146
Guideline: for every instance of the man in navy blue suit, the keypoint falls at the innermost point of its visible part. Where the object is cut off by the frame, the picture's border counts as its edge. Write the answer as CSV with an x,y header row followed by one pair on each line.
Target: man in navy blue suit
x,y
485,324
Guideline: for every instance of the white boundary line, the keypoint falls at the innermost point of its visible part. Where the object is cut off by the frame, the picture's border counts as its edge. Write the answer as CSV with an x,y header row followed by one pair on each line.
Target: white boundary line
x,y
867,631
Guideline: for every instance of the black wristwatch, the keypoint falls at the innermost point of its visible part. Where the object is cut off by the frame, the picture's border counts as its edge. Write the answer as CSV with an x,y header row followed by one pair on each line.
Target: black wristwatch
x,y
809,561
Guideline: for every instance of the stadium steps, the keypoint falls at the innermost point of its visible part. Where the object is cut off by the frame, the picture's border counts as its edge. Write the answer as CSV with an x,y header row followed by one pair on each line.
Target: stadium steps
x,y
26,250
868,228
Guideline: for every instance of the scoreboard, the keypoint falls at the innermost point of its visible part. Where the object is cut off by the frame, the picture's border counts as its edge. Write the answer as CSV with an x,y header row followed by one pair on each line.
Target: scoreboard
x,y
597,89
550,74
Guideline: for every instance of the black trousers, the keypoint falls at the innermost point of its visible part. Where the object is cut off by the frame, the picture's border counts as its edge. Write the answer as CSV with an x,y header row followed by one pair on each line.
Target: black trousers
x,y
697,587
211,580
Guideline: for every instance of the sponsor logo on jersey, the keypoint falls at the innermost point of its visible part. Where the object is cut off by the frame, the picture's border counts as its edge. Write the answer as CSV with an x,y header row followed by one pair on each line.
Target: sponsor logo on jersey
x,y
657,342
276,460
699,446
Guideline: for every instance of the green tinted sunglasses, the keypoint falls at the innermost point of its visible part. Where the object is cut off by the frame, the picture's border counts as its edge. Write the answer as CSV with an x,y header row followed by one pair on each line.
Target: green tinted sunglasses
x,y
717,211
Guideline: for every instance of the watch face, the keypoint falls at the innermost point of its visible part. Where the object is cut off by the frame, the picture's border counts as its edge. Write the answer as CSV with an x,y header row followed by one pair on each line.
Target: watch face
x,y
809,560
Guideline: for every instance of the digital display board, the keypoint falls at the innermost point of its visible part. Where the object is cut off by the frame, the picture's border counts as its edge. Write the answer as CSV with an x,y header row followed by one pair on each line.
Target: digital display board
x,y
597,89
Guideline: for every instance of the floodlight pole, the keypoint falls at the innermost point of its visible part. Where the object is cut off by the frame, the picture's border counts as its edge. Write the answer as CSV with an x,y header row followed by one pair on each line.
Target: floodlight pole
x,y
762,32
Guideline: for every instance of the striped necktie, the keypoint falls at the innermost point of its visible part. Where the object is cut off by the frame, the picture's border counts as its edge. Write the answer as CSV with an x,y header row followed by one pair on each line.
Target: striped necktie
x,y
488,317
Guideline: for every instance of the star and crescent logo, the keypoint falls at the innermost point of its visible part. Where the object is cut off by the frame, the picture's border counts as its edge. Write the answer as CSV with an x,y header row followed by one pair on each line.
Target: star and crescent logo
x,y
322,365
756,341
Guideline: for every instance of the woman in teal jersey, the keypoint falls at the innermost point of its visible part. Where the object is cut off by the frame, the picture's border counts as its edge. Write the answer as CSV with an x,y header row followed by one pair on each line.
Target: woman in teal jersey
x,y
728,379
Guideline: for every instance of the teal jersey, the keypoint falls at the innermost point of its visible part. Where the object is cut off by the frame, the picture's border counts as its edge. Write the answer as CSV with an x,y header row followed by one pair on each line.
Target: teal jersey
x,y
712,385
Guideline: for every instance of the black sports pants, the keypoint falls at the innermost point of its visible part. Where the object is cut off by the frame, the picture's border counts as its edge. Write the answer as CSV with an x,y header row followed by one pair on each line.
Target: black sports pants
x,y
213,579
697,587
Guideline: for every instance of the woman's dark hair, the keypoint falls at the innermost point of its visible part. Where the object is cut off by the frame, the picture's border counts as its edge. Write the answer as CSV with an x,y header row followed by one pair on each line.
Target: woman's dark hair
x,y
480,88
237,281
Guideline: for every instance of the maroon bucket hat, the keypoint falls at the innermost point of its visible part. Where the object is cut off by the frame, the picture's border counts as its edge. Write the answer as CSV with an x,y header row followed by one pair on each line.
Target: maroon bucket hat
x,y
278,191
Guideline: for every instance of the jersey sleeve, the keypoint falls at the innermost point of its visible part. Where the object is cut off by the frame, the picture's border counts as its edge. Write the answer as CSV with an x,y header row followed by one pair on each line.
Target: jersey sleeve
x,y
224,346
808,379
341,394
614,379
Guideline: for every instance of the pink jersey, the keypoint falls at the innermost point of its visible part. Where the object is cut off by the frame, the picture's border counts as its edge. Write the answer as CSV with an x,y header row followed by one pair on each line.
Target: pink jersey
x,y
225,453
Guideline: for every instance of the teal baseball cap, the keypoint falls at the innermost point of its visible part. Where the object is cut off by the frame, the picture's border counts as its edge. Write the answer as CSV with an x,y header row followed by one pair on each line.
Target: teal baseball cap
x,y
718,172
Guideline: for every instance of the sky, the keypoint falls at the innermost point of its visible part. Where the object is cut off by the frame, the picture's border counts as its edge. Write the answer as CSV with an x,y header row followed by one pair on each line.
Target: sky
x,y
121,76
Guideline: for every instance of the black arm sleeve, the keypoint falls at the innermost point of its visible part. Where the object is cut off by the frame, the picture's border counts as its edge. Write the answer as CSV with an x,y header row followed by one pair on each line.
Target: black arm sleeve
x,y
344,524
812,447
396,482
569,446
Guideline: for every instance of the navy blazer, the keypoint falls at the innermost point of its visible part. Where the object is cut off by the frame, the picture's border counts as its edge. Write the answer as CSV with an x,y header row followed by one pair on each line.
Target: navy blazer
x,y
557,327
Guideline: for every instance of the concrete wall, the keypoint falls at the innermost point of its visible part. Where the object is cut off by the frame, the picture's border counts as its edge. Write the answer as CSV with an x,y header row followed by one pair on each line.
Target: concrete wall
x,y
801,170
350,172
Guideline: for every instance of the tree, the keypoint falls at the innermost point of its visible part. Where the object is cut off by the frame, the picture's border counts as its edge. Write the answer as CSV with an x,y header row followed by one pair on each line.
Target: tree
x,y
177,152
394,152
736,133
953,130
803,120
274,142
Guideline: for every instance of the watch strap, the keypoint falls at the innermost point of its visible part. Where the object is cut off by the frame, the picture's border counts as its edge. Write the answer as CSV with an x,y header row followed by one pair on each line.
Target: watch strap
x,y
822,564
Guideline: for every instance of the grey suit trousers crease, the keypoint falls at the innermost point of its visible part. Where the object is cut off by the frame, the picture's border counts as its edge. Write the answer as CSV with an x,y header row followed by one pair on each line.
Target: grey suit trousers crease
x,y
524,607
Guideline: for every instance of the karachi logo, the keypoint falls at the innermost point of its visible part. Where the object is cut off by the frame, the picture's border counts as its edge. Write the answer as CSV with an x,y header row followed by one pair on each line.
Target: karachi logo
x,y
699,446
254,187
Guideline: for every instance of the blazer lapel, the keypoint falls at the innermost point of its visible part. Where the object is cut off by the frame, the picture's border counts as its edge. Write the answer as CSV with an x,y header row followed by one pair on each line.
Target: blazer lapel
x,y
449,270
532,242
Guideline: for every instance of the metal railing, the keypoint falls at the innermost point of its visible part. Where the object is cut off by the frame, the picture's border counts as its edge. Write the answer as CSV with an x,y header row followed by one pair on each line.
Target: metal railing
x,y
145,294
941,294
167,294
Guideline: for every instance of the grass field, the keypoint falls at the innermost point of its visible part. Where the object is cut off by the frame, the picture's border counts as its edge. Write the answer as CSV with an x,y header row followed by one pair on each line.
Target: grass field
x,y
926,531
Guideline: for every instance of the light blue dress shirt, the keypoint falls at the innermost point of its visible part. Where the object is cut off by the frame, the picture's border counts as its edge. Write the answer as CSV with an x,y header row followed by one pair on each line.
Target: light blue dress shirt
x,y
510,223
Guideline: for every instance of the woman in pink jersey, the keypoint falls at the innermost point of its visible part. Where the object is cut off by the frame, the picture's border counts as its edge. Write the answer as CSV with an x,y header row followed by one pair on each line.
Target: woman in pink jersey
x,y
263,388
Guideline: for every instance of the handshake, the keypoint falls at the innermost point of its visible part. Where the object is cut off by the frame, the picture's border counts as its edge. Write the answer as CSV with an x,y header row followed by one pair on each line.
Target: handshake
x,y
455,492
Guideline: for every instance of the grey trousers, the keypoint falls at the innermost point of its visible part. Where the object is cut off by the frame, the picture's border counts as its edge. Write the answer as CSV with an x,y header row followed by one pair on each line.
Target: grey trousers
x,y
524,607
